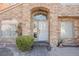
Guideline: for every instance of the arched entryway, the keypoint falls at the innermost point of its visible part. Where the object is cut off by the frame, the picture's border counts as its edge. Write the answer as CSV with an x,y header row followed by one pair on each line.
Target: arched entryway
x,y
40,24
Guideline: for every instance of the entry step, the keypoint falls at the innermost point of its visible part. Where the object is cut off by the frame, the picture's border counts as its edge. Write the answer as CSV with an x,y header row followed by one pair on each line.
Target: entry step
x,y
42,44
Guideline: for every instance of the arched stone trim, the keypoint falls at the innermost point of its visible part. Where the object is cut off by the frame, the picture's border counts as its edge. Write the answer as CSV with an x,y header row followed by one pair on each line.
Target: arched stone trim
x,y
40,10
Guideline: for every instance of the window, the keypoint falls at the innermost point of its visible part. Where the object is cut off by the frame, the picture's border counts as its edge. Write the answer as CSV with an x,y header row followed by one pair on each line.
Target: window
x,y
67,30
40,13
39,17
8,29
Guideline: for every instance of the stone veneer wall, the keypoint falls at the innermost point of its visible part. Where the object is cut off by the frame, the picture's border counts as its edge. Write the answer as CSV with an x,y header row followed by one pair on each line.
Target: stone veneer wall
x,y
76,24
22,13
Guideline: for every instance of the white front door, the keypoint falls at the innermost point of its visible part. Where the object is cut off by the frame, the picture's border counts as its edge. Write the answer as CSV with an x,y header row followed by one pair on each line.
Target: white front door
x,y
40,27
42,31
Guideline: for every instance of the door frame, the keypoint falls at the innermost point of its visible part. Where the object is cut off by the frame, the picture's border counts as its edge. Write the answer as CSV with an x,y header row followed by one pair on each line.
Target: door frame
x,y
48,21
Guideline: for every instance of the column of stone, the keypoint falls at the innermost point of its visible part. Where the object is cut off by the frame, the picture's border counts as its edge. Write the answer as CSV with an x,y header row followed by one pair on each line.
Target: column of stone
x,y
54,30
26,20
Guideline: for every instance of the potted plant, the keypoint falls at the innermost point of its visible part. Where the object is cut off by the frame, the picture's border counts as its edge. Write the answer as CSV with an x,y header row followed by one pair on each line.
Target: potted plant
x,y
60,43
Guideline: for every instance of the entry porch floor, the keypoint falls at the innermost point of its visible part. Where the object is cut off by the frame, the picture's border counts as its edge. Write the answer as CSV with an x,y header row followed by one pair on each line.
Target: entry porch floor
x,y
40,51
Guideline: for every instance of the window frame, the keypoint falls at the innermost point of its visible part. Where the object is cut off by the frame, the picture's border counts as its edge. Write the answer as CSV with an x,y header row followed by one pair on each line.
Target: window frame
x,y
9,25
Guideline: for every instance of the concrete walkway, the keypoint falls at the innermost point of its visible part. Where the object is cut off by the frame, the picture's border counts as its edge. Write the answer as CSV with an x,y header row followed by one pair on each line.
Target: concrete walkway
x,y
65,51
40,51
5,52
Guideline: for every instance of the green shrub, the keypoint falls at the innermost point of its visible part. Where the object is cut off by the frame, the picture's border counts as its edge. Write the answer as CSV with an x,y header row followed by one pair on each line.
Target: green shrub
x,y
24,43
